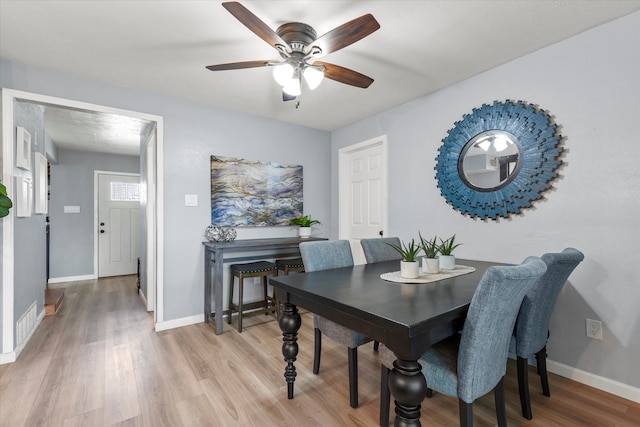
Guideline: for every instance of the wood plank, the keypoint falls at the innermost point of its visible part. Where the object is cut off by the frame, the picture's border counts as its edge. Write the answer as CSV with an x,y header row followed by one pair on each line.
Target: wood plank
x,y
53,300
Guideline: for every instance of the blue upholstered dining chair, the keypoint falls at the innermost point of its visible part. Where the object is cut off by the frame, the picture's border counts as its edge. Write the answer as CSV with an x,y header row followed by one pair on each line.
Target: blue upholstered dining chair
x,y
470,364
378,249
324,255
532,325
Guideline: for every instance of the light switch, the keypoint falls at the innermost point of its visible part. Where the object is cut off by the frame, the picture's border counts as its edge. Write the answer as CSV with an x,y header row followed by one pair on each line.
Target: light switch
x,y
72,209
191,200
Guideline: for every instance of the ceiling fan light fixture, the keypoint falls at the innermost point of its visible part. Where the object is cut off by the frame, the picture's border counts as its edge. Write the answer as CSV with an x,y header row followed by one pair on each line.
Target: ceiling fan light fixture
x,y
484,144
293,87
313,76
500,144
283,73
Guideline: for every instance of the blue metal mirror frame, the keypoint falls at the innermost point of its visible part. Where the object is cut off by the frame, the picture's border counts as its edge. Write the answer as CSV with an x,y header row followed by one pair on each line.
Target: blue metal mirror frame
x,y
539,145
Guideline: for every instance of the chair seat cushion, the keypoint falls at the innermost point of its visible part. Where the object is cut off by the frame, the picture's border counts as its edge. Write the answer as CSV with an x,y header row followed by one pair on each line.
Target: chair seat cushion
x,y
339,333
252,267
439,365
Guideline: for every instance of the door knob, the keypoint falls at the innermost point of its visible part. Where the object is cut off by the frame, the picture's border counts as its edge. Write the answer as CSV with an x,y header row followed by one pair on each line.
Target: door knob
x,y
101,231
102,224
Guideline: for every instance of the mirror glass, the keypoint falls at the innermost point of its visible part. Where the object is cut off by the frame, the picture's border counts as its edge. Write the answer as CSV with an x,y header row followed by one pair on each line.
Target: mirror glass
x,y
490,160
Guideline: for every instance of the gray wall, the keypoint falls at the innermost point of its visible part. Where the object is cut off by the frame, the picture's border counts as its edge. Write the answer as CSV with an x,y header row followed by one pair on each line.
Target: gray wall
x,y
30,232
591,84
72,234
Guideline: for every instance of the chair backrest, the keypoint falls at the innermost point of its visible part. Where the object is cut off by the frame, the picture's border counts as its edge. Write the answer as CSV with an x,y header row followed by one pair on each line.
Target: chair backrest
x,y
484,345
326,254
376,250
532,325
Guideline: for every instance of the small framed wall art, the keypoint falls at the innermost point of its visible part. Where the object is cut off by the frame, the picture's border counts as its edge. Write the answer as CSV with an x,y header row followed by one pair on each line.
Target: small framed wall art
x,y
23,148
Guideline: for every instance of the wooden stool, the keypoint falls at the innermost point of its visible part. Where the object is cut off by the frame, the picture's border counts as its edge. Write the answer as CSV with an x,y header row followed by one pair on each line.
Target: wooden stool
x,y
287,265
252,269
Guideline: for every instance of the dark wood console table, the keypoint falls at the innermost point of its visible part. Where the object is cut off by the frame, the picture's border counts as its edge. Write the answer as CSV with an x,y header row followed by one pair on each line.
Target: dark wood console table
x,y
216,253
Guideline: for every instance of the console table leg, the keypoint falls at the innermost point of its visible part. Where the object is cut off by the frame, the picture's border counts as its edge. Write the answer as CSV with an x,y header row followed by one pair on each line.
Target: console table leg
x,y
408,388
290,323
217,289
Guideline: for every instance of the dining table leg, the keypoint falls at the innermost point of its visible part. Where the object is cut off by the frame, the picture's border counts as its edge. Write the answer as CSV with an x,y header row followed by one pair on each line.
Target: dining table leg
x,y
408,388
290,322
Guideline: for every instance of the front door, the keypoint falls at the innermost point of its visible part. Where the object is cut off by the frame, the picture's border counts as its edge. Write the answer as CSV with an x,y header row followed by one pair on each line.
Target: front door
x,y
363,193
118,224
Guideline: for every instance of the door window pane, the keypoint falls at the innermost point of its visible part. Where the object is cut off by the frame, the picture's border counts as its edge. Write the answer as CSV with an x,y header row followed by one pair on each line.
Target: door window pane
x,y
125,192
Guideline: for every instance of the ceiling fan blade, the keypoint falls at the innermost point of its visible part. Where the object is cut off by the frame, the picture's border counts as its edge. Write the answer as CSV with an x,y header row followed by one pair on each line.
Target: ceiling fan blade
x,y
345,75
344,35
256,25
239,65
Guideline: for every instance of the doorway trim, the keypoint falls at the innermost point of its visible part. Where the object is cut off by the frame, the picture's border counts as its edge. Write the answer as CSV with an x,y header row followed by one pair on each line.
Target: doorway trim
x,y
153,216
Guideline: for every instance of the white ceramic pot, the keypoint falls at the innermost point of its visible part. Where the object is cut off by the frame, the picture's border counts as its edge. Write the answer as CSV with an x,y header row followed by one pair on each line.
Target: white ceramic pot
x,y
430,265
304,232
447,262
409,270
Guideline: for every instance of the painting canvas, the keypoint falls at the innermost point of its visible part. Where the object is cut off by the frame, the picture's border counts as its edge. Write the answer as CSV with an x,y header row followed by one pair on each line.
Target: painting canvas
x,y
254,193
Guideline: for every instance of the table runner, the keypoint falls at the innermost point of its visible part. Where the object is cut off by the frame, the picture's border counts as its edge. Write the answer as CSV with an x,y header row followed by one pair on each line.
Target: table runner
x,y
459,270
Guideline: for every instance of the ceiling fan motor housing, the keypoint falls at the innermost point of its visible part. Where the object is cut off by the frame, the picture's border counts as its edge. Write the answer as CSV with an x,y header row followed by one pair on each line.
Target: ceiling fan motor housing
x,y
297,35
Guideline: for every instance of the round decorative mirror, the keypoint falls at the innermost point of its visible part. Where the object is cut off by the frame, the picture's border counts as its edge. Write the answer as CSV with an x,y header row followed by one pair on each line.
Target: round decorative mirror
x,y
499,159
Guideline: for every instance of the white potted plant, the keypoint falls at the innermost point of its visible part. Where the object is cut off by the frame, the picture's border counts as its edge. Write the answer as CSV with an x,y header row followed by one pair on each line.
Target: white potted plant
x,y
409,266
304,223
430,261
446,247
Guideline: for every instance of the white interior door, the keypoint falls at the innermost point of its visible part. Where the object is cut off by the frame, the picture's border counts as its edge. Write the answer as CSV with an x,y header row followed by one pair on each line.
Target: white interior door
x,y
118,224
363,193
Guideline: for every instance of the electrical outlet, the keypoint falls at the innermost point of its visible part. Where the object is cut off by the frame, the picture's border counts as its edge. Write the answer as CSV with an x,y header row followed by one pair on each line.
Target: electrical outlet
x,y
594,329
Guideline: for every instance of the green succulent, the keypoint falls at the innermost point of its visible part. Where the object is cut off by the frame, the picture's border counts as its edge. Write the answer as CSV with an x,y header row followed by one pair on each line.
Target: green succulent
x,y
304,221
429,247
447,246
409,251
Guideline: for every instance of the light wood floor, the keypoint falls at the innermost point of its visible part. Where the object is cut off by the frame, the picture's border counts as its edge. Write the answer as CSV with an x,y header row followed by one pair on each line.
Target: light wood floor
x,y
98,362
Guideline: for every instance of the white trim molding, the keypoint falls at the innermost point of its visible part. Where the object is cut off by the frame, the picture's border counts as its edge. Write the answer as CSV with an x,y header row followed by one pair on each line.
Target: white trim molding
x,y
601,383
178,323
71,278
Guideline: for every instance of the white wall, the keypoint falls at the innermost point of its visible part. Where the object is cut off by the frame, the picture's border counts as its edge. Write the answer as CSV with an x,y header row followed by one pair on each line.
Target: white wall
x,y
591,84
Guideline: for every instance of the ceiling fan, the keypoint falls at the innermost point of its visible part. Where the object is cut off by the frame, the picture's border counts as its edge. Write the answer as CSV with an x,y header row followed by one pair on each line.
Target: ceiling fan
x,y
299,47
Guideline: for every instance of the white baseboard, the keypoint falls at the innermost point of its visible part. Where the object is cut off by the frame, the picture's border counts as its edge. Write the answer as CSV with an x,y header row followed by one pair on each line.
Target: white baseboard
x,y
142,297
7,357
178,323
71,278
605,384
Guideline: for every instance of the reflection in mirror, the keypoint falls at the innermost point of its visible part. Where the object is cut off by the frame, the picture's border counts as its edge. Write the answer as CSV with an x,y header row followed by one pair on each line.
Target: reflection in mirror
x,y
489,161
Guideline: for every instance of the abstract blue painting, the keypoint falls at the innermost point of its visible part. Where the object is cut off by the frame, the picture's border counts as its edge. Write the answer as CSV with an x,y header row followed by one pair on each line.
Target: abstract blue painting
x,y
248,193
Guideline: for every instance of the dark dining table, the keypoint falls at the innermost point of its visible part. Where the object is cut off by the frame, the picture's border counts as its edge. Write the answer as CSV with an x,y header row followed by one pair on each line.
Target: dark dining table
x,y
407,318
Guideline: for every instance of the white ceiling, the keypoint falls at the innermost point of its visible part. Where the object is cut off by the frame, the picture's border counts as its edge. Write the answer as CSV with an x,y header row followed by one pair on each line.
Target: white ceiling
x,y
164,46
